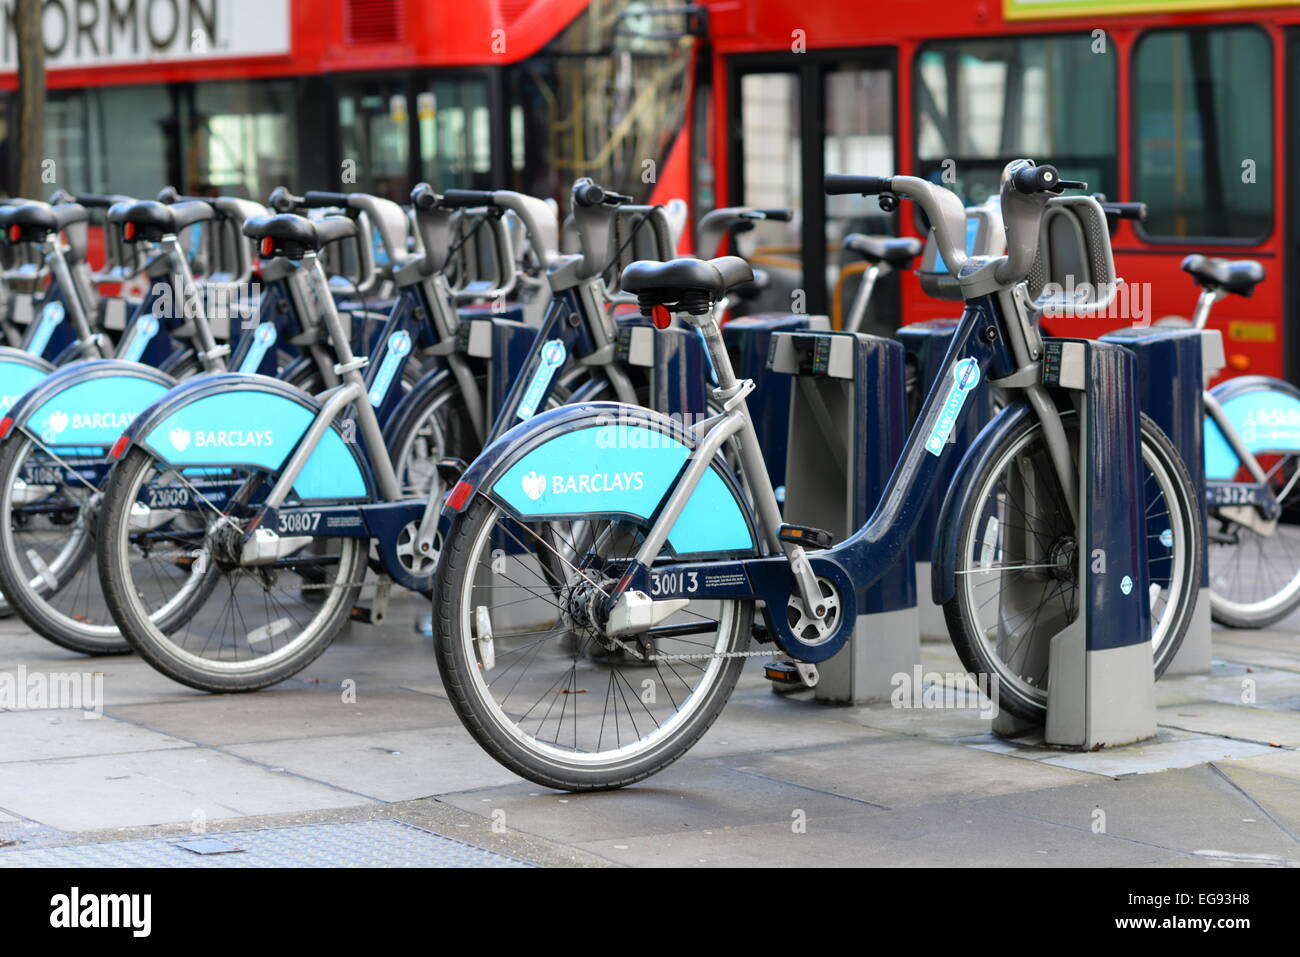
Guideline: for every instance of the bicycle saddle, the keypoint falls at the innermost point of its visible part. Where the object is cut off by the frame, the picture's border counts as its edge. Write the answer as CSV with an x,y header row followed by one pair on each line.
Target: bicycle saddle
x,y
896,251
692,283
1240,276
291,235
152,219
43,218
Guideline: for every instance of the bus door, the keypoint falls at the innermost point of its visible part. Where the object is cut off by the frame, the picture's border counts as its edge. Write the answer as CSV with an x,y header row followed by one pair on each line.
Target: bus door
x,y
793,118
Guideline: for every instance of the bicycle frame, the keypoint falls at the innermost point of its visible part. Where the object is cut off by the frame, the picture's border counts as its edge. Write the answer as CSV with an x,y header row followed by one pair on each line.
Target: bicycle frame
x,y
985,343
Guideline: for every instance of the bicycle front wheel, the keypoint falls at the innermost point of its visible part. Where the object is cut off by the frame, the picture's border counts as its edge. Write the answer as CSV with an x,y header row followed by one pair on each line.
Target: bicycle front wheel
x,y
531,676
1017,561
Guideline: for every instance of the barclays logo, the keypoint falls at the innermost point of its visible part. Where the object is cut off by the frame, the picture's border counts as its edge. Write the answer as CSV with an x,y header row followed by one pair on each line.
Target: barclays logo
x,y
534,485
180,438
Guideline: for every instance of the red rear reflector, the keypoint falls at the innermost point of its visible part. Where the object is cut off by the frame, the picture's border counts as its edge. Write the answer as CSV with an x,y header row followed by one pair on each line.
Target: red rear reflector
x,y
268,245
15,233
6,424
128,231
661,317
459,496
119,447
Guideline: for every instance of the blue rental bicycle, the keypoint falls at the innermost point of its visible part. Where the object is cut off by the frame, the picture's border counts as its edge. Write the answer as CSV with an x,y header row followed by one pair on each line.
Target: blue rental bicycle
x,y
54,441
603,643
239,528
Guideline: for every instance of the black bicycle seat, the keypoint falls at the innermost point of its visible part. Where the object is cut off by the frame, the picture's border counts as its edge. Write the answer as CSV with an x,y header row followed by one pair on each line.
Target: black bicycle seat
x,y
291,235
153,220
694,283
896,251
1239,276
43,218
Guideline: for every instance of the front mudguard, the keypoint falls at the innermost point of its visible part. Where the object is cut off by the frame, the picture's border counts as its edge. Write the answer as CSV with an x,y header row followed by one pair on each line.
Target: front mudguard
x,y
231,419
86,405
609,460
943,562
19,372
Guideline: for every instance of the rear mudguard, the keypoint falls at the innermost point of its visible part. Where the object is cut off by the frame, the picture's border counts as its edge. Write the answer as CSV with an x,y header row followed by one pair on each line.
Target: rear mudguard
x,y
86,405
943,570
19,372
610,460
249,421
1264,412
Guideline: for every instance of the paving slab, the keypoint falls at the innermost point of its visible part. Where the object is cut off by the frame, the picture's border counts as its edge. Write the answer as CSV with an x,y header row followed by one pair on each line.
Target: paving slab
x,y
943,835
36,735
1160,755
386,765
286,713
690,795
1260,725
899,773
1273,783
1190,811
156,787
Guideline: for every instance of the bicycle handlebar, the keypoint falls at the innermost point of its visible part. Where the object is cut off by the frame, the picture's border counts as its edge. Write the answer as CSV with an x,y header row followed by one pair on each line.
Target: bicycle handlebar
x,y
588,194
1118,210
843,184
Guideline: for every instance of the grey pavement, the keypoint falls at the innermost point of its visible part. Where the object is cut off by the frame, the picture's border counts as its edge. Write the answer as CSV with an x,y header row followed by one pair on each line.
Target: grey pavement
x,y
310,773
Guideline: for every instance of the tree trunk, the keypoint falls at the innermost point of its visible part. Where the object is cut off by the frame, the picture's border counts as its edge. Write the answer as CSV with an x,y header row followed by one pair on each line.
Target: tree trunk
x,y
31,100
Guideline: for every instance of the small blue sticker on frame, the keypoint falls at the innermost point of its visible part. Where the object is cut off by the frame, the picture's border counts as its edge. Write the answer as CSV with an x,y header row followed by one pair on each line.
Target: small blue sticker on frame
x,y
51,315
264,337
553,355
399,345
965,377
145,330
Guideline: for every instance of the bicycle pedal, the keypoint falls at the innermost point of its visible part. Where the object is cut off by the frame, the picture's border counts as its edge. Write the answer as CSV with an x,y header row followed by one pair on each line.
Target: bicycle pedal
x,y
807,536
790,676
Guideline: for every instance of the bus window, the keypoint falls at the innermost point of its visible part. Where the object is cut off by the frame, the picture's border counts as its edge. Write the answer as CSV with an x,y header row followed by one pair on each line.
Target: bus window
x,y
374,130
109,139
772,177
1203,132
859,107
981,103
595,102
455,134
241,139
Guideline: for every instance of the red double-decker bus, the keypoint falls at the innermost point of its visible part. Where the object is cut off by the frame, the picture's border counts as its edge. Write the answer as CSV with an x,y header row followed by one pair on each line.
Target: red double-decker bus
x,y
1192,106
1188,105
243,95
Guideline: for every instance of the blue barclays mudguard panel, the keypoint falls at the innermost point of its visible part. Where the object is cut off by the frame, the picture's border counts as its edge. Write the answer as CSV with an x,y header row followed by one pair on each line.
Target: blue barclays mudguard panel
x,y
246,424
19,373
619,469
93,411
1265,419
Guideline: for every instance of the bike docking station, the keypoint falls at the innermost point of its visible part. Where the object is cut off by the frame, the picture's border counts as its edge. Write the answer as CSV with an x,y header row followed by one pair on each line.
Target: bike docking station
x,y
1174,365
749,344
847,427
1100,682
